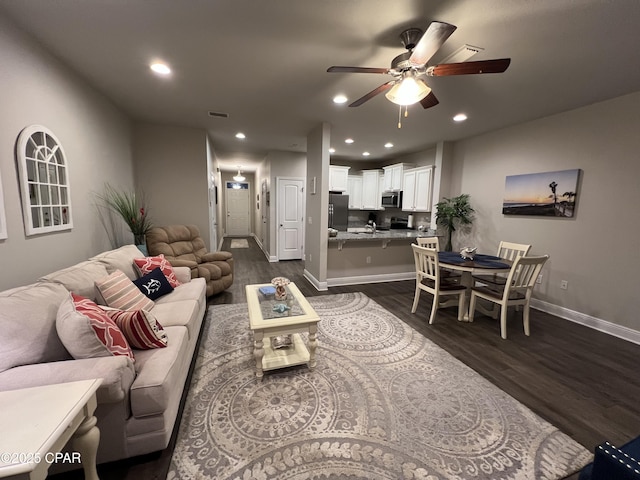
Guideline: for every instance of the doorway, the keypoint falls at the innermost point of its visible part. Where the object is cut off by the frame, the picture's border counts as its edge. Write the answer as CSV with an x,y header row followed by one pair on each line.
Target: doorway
x,y
237,203
290,218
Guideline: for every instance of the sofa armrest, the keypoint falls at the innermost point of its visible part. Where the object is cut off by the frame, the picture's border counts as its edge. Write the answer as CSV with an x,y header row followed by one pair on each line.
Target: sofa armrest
x,y
117,375
183,274
216,256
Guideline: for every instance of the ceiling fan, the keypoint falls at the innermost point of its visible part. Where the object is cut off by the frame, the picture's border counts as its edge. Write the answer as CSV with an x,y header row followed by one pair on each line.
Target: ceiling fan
x,y
410,69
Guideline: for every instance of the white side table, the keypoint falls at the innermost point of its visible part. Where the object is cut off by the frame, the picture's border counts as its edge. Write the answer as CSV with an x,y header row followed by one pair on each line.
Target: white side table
x,y
36,423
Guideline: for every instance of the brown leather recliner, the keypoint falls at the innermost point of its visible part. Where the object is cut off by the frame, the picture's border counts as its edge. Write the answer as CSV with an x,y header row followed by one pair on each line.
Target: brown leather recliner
x,y
183,246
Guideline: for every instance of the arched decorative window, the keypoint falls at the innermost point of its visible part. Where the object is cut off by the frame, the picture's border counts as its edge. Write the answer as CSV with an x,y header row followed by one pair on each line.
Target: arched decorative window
x,y
44,181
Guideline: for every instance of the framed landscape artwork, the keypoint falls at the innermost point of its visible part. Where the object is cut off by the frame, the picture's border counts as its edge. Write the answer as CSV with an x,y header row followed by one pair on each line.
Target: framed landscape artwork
x,y
549,194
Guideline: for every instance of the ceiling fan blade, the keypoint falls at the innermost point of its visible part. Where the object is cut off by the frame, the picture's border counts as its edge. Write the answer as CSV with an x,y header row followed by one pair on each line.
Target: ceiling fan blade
x,y
430,43
382,88
357,70
469,68
429,101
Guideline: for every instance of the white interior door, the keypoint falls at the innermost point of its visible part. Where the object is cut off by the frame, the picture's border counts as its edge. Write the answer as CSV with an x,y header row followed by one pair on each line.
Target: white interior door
x,y
237,203
290,210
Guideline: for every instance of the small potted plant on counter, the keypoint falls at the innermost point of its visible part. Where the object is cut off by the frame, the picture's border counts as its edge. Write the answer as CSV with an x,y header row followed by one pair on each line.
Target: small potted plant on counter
x,y
454,212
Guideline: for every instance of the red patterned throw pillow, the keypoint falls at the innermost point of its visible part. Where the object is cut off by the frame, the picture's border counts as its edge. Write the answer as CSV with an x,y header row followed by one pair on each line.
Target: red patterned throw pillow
x,y
87,331
140,327
148,264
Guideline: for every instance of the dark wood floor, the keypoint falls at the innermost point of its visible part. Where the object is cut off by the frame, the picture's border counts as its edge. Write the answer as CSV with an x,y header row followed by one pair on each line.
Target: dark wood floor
x,y
580,380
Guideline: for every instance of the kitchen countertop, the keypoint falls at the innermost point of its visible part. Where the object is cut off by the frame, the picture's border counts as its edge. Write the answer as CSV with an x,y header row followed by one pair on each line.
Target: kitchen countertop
x,y
399,234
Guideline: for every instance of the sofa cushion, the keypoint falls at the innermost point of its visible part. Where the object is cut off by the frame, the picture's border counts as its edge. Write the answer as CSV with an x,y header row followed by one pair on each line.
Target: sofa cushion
x,y
117,374
79,278
194,290
87,331
179,313
154,284
159,372
140,327
148,264
28,325
118,291
120,259
183,274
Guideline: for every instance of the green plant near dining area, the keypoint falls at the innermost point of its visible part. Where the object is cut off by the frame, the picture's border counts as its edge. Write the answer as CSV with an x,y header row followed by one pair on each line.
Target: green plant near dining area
x,y
452,213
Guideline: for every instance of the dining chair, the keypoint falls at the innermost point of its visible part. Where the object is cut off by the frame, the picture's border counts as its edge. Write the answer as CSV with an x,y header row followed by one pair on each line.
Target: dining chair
x,y
433,242
429,279
428,242
516,291
508,251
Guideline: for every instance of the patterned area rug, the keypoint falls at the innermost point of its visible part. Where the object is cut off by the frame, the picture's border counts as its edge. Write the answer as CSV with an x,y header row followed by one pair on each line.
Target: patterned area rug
x,y
383,403
239,243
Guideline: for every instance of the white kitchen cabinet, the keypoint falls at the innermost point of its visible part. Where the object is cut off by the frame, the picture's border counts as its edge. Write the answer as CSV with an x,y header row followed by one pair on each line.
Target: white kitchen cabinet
x,y
416,189
371,195
354,190
393,177
338,178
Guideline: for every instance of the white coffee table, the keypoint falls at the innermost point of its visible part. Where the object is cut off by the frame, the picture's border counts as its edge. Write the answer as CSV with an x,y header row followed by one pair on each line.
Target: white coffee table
x,y
266,323
36,423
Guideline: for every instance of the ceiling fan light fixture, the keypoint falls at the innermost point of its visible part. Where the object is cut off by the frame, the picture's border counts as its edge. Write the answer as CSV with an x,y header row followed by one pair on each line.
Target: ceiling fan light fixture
x,y
409,90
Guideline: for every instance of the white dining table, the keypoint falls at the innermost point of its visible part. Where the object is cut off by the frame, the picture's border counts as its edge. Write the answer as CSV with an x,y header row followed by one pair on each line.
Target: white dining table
x,y
481,264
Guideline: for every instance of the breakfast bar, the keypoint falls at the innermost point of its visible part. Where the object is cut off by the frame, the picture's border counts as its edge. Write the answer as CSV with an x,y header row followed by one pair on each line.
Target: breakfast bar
x,y
355,257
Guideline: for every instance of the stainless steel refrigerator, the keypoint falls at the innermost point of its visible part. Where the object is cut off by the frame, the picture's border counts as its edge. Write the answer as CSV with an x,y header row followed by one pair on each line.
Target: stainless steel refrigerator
x,y
338,211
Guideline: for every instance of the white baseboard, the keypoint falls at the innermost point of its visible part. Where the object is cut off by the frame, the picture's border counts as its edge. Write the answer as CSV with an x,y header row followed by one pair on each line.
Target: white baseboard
x,y
257,241
320,286
599,324
383,277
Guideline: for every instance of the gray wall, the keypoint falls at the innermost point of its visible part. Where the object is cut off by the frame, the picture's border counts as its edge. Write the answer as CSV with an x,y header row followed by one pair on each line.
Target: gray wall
x,y
283,164
597,250
37,89
171,169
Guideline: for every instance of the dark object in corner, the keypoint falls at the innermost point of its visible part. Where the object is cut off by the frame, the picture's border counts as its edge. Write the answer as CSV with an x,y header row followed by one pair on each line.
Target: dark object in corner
x,y
612,463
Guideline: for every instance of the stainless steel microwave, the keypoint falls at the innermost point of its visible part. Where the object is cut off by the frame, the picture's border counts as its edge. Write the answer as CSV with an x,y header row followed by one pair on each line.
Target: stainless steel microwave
x,y
392,199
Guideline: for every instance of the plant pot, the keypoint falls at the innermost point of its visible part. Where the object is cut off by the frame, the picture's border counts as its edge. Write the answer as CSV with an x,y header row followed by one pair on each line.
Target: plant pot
x,y
140,241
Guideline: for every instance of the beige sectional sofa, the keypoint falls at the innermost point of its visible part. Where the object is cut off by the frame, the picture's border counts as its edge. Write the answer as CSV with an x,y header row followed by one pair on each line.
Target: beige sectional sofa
x,y
138,401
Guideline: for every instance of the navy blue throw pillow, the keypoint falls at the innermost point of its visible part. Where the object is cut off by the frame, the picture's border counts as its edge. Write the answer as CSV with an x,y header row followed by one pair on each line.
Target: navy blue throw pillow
x,y
154,284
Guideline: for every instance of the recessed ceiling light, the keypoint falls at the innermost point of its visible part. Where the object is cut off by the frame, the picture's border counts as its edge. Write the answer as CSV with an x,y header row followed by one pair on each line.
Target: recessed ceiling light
x,y
461,117
240,135
349,140
160,68
388,145
339,99
365,154
332,150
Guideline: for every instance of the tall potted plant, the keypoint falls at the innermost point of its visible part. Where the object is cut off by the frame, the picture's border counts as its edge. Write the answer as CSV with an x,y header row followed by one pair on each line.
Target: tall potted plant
x,y
454,212
131,209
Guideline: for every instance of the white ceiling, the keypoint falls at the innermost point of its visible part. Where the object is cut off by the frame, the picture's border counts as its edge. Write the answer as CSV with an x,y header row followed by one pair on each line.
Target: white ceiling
x,y
264,63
